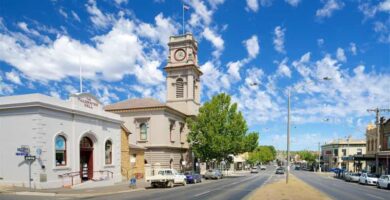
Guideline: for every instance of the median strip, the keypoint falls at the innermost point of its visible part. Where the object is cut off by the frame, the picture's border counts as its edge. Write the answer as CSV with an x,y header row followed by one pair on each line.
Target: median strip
x,y
294,190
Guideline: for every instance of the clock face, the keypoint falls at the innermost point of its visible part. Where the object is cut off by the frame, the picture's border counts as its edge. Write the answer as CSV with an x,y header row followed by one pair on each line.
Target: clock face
x,y
180,54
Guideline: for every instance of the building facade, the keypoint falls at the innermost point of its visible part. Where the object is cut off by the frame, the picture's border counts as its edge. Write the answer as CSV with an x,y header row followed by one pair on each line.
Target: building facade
x,y
341,153
383,153
74,141
159,127
132,157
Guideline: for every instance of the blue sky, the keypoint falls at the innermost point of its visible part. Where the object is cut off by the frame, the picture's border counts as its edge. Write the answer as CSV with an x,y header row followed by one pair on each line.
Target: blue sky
x,y
277,44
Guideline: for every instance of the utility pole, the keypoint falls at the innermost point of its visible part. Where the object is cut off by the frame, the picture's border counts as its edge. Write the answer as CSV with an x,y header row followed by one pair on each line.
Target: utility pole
x,y
288,136
377,111
319,156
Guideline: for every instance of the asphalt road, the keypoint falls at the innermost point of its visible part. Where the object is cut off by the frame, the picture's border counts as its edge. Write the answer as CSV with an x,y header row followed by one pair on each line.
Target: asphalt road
x,y
229,188
339,189
233,188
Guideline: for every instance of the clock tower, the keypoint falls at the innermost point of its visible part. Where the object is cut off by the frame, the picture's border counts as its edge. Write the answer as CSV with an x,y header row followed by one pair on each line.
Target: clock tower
x,y
183,74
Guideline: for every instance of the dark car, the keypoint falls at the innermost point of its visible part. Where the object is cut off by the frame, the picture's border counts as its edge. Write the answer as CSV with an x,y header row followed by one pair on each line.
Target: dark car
x,y
193,177
279,170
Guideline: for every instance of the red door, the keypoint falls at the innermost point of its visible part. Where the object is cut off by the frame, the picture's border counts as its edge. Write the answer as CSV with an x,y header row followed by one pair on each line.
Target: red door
x,y
86,159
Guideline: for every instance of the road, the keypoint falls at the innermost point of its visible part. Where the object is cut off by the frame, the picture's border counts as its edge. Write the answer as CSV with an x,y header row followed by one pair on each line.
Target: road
x,y
229,188
339,189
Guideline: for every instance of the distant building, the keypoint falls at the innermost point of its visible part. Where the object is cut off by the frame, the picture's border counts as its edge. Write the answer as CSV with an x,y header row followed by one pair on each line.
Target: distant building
x,y
74,141
341,153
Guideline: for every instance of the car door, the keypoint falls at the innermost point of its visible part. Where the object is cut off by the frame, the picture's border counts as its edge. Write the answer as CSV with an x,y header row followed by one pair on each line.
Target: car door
x,y
361,179
177,176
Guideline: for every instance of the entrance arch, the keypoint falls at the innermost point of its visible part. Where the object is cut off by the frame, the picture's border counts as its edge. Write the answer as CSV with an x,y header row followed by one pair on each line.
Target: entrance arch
x,y
86,158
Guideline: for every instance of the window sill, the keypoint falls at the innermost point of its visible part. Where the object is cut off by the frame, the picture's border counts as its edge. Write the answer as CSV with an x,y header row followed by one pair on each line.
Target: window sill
x,y
142,141
109,166
59,168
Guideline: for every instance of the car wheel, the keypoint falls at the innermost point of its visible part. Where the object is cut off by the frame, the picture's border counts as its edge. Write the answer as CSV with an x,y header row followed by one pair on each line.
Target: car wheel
x,y
170,184
366,182
154,185
388,186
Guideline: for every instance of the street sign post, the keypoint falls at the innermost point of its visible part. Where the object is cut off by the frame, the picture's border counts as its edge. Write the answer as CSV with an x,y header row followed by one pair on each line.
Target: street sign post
x,y
30,159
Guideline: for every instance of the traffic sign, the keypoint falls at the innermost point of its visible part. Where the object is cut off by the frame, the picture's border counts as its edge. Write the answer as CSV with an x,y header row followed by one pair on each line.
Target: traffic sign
x,y
21,154
29,158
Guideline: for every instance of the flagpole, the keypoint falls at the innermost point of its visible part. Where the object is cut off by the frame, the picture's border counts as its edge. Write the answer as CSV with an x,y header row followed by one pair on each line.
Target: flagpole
x,y
81,78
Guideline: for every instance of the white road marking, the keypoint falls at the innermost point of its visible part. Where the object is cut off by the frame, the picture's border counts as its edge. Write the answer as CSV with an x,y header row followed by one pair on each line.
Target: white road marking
x,y
202,193
373,196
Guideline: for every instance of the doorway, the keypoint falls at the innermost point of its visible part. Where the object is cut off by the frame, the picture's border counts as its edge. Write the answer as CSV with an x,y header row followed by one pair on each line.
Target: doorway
x,y
86,159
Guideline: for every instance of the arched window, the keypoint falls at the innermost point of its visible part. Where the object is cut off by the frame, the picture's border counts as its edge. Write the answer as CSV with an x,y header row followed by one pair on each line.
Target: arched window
x,y
60,146
179,88
108,151
143,132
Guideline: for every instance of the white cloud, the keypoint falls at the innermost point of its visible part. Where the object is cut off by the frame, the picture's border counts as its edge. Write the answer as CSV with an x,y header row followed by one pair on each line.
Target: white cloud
x,y
63,13
55,94
160,32
353,48
215,3
110,57
340,54
283,69
216,40
121,1
320,42
383,31
278,39
301,65
329,7
252,46
14,77
201,11
76,16
293,2
384,6
98,18
252,5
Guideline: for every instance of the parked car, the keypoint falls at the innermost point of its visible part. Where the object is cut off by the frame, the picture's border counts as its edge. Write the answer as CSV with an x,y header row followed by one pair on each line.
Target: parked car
x,y
213,174
352,177
166,178
254,170
368,179
193,177
279,170
263,167
384,181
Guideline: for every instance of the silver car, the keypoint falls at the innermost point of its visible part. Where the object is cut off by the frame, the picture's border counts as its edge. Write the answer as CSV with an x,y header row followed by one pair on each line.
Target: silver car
x,y
213,174
352,177
384,181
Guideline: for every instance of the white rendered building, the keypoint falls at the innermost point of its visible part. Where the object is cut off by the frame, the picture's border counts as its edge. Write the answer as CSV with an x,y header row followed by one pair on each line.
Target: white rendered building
x,y
74,141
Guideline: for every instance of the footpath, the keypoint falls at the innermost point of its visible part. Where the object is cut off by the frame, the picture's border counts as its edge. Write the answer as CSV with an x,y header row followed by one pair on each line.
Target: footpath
x,y
296,189
122,187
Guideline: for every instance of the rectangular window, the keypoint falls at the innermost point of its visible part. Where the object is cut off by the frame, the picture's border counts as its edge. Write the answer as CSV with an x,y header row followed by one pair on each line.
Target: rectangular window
x,y
60,158
388,142
336,152
344,152
359,152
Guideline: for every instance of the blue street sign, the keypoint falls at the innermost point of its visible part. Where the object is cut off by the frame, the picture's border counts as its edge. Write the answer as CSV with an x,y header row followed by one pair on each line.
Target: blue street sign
x,y
21,154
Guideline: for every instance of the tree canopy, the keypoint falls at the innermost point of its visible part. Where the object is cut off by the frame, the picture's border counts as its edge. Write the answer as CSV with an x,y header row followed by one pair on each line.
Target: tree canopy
x,y
220,130
262,154
307,155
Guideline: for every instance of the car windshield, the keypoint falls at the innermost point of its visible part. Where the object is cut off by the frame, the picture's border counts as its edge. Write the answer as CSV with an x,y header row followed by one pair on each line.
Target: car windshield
x,y
371,175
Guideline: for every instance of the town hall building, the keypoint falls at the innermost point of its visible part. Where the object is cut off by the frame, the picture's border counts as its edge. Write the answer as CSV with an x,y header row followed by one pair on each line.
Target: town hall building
x,y
160,128
73,142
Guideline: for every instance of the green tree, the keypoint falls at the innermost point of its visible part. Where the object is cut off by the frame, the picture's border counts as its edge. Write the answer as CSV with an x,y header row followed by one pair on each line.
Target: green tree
x,y
262,154
220,130
307,155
